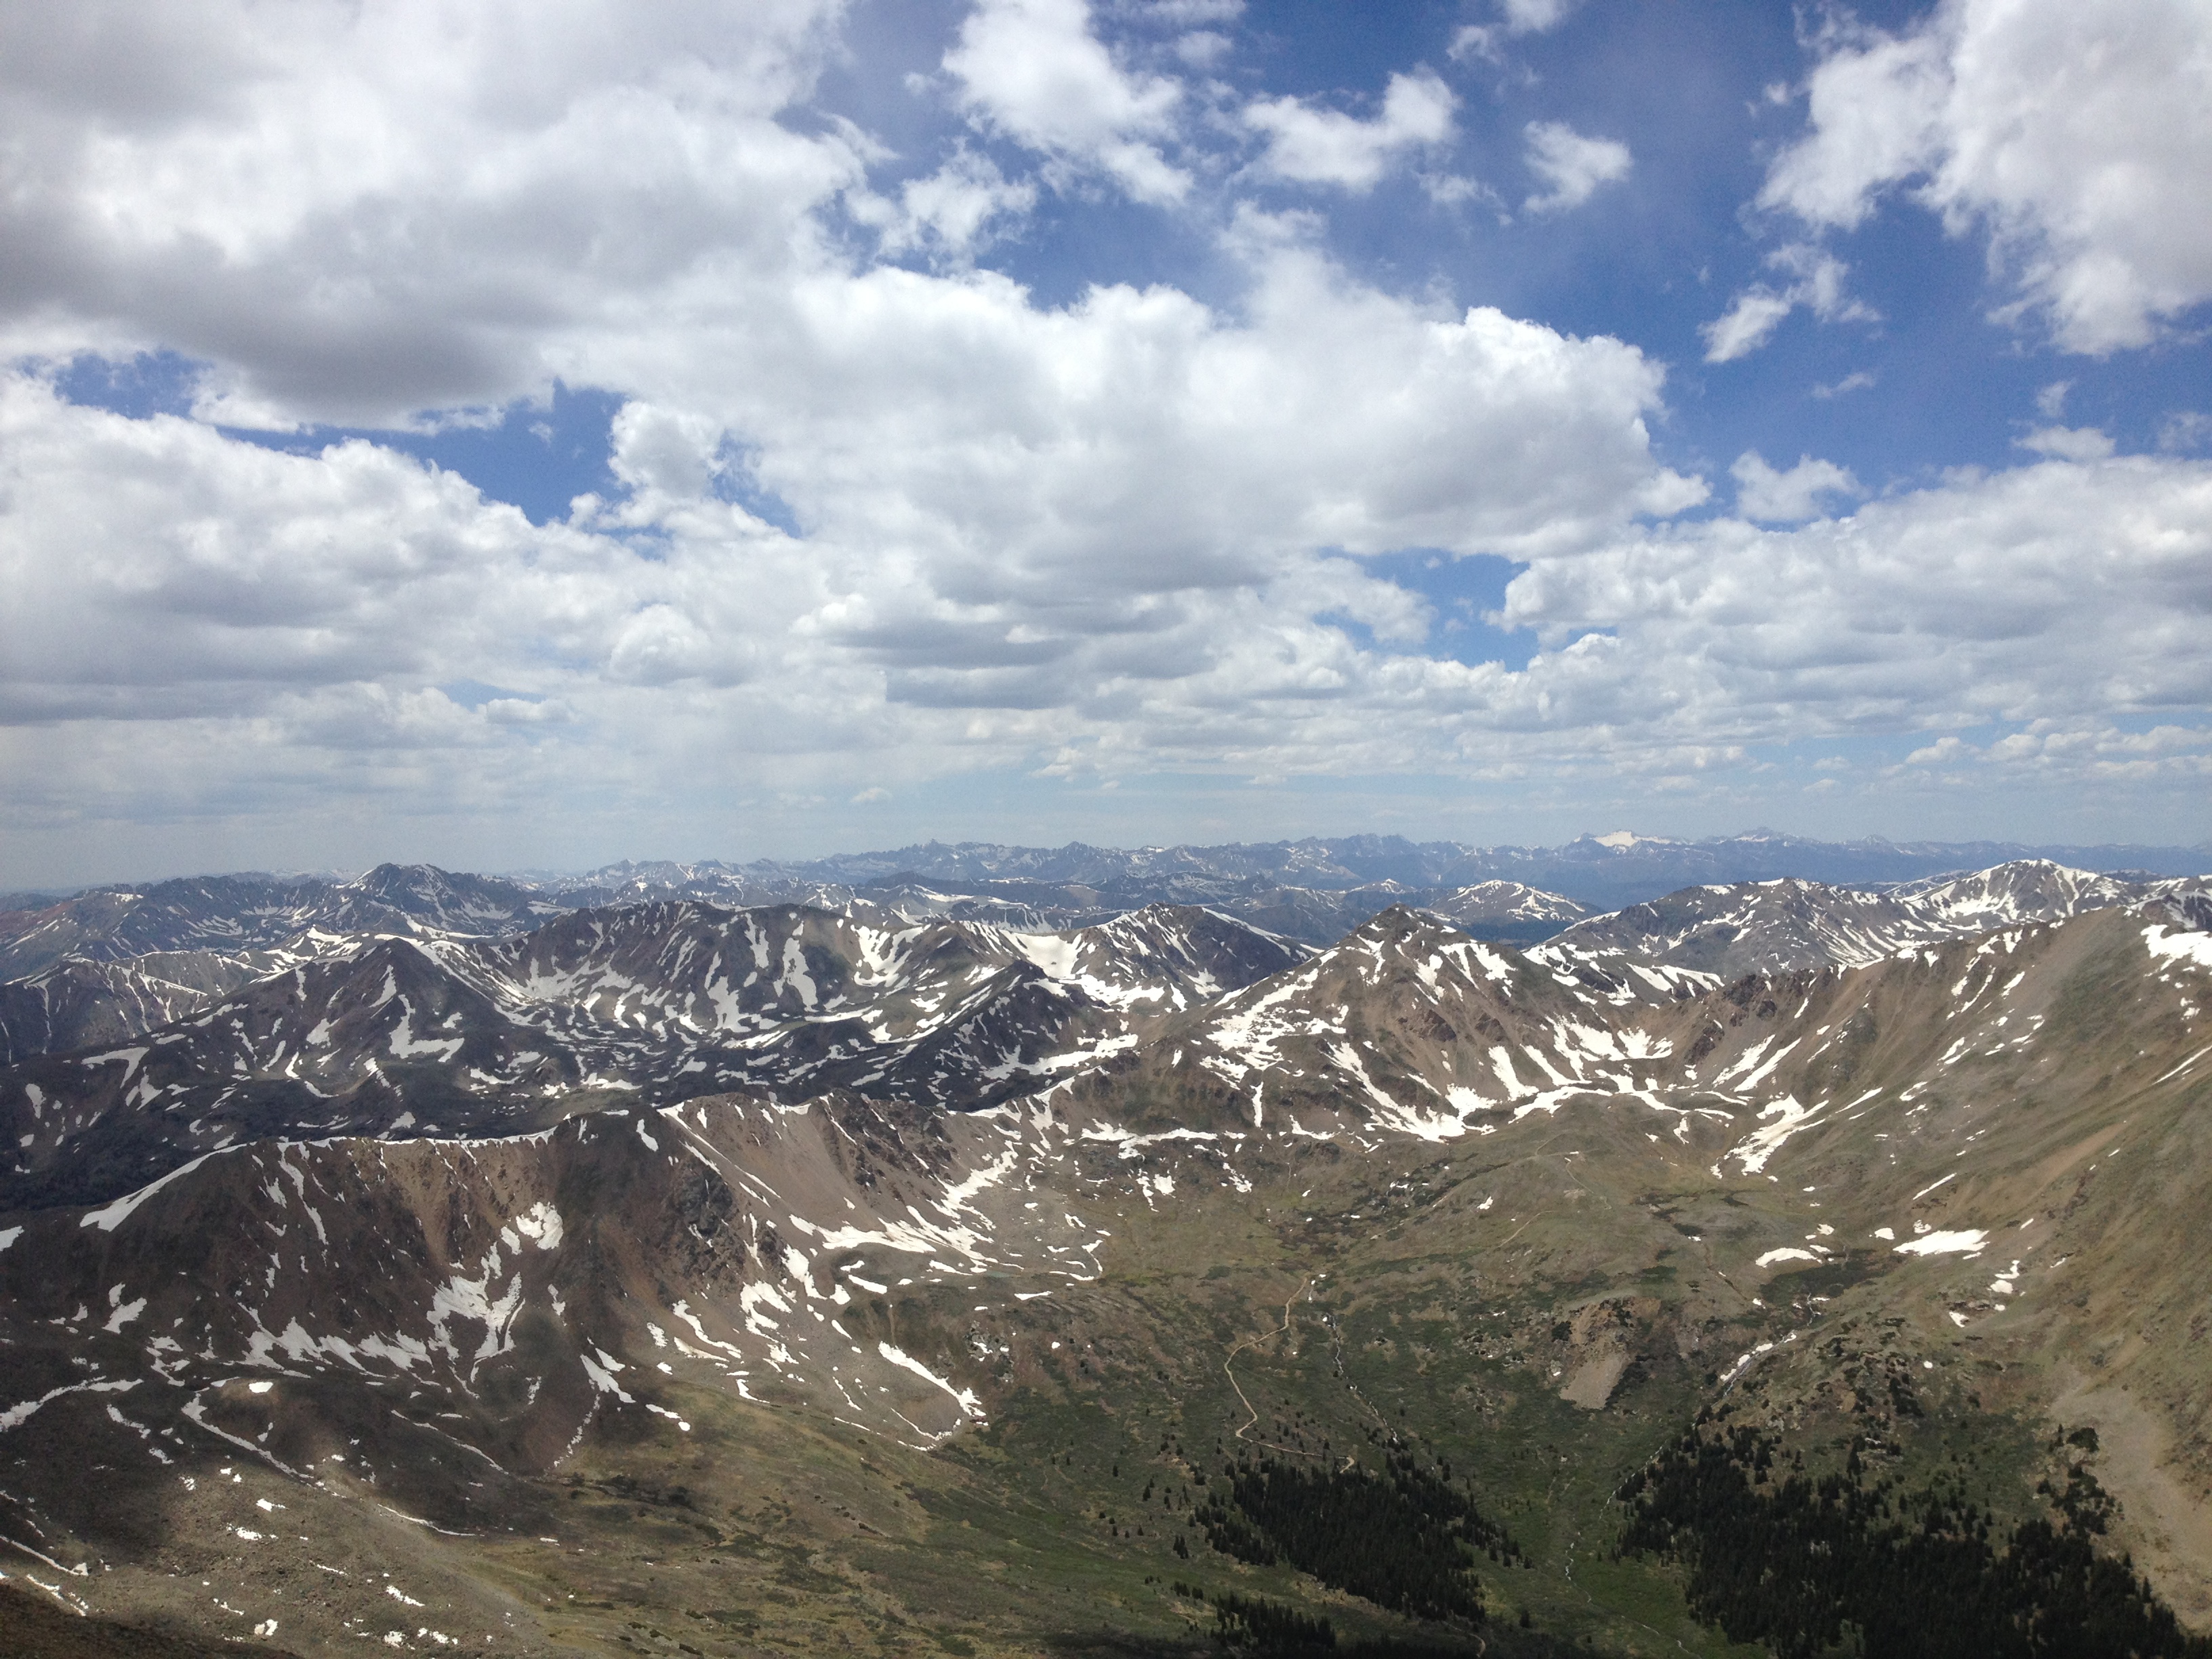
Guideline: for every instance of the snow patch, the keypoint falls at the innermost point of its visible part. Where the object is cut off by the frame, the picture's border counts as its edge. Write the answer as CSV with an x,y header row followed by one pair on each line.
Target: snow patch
x,y
1963,1241
1787,1253
964,1398
2180,946
540,1224
110,1217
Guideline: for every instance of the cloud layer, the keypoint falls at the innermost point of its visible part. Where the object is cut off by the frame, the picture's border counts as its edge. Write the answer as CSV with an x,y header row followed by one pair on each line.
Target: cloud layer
x,y
887,517
2072,135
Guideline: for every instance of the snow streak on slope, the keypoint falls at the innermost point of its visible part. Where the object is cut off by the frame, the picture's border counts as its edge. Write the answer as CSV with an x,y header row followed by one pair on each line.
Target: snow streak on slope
x,y
655,1003
1704,936
602,1239
1404,1027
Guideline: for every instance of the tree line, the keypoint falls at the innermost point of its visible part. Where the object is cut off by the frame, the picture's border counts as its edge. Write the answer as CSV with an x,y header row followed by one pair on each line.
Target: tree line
x,y
1405,1539
1839,1565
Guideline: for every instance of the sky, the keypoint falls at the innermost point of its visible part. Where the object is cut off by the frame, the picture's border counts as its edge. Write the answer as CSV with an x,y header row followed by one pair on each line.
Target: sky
x,y
528,435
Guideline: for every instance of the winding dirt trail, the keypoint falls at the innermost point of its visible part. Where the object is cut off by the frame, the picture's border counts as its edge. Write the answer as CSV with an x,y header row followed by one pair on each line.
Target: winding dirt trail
x,y
1229,1370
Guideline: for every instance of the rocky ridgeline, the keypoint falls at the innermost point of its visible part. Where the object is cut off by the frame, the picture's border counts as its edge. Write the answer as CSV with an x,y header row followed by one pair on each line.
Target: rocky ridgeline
x,y
420,1217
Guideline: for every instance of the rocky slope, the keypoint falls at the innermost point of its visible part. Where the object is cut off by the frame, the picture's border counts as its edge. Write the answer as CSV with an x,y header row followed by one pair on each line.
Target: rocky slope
x,y
650,1004
672,1276
235,913
1715,933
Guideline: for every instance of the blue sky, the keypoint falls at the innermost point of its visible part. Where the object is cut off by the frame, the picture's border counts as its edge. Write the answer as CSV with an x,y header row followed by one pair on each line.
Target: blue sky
x,y
549,436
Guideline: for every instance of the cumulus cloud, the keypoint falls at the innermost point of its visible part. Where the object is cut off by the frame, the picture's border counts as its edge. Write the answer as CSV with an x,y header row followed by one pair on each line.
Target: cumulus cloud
x,y
1858,380
2068,443
1021,522
355,230
954,211
1769,495
1124,530
215,577
2065,130
1746,326
2068,753
1515,17
1325,413
2053,592
1533,16
2183,430
1474,40
1034,71
1203,48
1179,14
320,604
1760,309
1327,146
1571,165
1103,530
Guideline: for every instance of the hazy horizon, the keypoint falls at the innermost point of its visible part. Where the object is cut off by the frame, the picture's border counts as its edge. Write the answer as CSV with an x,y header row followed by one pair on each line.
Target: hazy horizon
x,y
555,873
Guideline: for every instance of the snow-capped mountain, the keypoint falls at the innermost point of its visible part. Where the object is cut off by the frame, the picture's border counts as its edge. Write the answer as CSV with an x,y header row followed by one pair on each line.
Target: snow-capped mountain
x,y
1510,910
235,913
1715,933
651,1003
81,1001
1312,888
2026,890
607,1279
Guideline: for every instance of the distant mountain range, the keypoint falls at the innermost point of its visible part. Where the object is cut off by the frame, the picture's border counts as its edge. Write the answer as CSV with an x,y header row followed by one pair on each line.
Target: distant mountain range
x,y
1598,872
1316,889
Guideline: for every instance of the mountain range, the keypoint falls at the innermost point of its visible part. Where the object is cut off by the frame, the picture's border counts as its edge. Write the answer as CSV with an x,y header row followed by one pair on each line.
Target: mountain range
x,y
1316,889
436,1260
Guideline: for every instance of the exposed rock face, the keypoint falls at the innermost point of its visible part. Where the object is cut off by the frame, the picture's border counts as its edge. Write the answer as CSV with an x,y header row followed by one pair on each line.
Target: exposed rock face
x,y
432,1223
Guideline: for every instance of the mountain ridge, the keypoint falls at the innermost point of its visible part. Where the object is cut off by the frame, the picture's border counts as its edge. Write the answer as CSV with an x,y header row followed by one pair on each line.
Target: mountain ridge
x,y
672,1270
1067,886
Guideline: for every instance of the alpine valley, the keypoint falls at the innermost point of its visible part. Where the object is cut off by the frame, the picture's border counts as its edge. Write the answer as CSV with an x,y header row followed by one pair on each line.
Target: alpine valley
x,y
1636,1247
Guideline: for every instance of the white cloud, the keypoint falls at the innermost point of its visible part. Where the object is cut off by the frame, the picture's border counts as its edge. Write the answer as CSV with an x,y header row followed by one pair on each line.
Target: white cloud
x,y
1746,326
1203,48
1473,40
2065,443
1023,523
1533,16
1768,495
220,577
1179,14
358,229
1014,506
2055,592
952,211
1449,189
1571,164
2071,753
1100,538
1034,71
1857,380
1517,17
2103,750
1750,322
283,619
2067,130
1327,146
1944,751
2185,430
1095,531
1875,113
